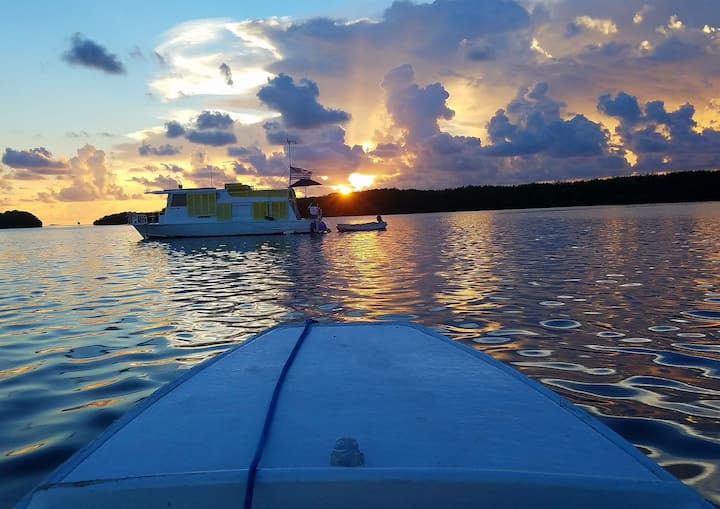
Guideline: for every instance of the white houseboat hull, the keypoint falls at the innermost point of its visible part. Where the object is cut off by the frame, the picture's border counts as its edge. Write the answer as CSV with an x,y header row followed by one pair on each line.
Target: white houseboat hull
x,y
425,423
237,209
228,229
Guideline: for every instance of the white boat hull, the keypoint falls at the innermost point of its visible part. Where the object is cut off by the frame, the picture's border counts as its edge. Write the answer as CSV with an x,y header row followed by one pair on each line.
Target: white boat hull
x,y
222,229
361,227
439,424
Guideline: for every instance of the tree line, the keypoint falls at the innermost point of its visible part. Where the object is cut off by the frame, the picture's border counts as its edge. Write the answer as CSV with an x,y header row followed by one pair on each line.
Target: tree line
x,y
685,186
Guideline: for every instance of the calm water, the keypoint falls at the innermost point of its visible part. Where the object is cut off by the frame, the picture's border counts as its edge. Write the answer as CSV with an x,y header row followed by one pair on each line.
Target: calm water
x,y
615,308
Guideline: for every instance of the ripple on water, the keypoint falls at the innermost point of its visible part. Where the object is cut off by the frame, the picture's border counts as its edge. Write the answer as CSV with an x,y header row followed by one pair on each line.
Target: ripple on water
x,y
357,312
511,332
551,303
535,353
663,328
703,314
492,340
560,324
636,340
397,317
610,334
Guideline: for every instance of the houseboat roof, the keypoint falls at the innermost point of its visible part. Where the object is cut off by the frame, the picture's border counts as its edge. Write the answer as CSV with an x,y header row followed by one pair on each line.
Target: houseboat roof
x,y
183,190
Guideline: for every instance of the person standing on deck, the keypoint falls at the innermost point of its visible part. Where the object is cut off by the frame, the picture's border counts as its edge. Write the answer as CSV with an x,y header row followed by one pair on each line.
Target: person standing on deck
x,y
314,211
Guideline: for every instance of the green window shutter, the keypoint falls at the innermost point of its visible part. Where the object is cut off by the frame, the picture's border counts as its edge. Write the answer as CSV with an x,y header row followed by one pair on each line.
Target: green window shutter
x,y
259,209
202,204
279,210
224,211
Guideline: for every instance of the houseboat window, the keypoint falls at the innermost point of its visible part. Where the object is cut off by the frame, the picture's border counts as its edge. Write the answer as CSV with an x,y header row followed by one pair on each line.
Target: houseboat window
x,y
178,200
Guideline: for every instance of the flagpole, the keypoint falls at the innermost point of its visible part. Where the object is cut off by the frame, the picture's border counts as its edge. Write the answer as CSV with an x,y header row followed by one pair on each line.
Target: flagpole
x,y
289,142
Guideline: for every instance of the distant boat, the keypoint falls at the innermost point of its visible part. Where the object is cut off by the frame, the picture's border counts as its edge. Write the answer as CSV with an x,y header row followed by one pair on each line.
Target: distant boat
x,y
237,209
362,227
353,416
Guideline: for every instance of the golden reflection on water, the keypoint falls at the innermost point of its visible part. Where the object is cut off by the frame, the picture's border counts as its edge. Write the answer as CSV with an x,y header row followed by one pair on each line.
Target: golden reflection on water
x,y
19,370
25,449
97,385
98,403
109,355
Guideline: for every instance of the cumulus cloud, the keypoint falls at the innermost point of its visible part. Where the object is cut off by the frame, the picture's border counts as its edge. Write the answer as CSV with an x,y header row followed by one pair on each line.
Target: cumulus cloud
x,y
414,109
214,120
158,182
210,175
162,150
298,104
623,106
174,129
213,128
253,157
87,53
537,127
90,179
662,139
387,151
36,161
582,24
435,30
213,138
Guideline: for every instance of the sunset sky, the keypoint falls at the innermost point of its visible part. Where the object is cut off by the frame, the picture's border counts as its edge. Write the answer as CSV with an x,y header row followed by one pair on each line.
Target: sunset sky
x,y
103,101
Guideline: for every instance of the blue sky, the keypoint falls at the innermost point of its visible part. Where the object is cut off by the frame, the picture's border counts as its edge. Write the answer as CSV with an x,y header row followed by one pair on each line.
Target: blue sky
x,y
102,102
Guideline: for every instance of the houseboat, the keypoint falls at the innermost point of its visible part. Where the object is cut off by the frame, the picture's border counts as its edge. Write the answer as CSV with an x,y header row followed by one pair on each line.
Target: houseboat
x,y
237,209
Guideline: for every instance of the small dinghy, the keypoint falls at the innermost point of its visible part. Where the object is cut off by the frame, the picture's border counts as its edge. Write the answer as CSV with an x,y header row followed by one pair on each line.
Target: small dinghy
x,y
363,227
355,416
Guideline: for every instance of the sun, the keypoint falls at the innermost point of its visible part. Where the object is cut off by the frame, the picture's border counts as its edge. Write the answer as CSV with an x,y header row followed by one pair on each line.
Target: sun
x,y
359,181
343,189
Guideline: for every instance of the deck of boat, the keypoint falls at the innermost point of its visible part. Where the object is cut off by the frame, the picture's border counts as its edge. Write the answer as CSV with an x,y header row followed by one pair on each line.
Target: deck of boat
x,y
439,424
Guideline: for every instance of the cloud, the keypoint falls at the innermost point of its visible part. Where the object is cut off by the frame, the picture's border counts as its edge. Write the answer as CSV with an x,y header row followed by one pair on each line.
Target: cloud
x,y
173,168
213,138
675,49
162,150
214,120
414,109
174,129
297,104
38,161
213,128
90,179
159,182
387,150
262,165
662,139
583,24
87,53
537,127
227,73
623,106
435,30
276,134
210,175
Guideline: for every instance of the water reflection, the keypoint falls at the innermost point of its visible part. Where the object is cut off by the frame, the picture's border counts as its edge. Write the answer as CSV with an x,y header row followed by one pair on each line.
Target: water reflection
x,y
615,308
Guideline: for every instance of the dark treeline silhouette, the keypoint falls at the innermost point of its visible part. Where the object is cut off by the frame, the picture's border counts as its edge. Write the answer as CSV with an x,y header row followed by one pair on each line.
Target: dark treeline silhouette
x,y
668,188
19,219
119,218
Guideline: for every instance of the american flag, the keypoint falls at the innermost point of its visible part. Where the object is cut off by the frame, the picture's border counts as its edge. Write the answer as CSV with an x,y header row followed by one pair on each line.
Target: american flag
x,y
299,173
